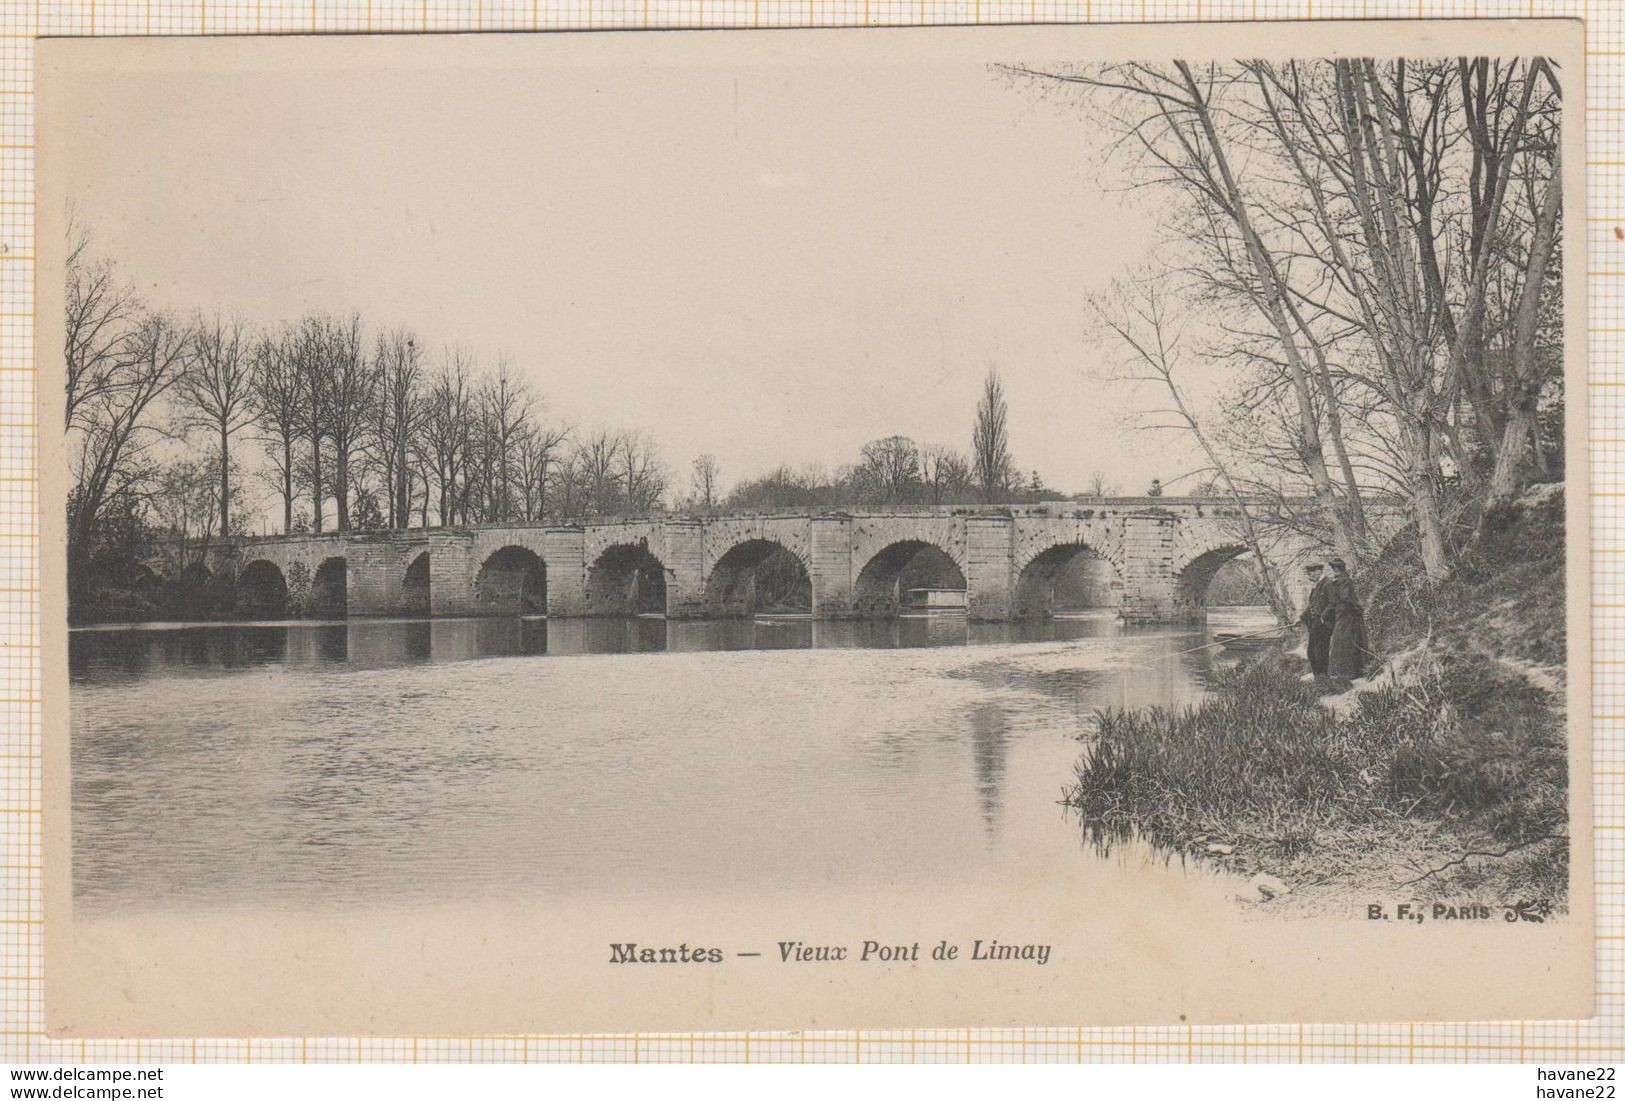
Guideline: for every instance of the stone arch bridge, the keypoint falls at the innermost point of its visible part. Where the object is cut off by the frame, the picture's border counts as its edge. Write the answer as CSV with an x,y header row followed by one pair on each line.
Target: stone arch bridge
x,y
1163,551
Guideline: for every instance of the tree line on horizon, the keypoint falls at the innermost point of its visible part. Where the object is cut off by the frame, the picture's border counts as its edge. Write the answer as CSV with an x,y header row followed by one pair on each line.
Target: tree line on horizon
x,y
894,471
181,429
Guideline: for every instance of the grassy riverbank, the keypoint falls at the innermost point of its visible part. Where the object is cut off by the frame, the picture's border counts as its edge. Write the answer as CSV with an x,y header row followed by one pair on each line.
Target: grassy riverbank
x,y
1445,776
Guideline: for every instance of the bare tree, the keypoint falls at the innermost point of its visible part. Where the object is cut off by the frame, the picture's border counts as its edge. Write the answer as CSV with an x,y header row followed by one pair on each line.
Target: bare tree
x,y
1098,486
945,474
446,428
184,499
569,485
539,447
276,401
102,311
348,386
890,469
953,475
397,418
121,359
597,461
643,475
217,394
111,424
506,407
309,359
704,482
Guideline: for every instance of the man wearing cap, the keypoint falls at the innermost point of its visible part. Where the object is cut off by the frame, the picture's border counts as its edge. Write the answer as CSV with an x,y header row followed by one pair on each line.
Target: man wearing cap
x,y
1317,617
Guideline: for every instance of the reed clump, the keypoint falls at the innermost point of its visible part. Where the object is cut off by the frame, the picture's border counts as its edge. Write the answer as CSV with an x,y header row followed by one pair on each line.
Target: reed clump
x,y
1452,774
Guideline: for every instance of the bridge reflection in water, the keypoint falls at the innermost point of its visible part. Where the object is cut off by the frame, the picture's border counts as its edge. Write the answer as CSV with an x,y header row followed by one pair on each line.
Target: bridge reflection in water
x,y
143,651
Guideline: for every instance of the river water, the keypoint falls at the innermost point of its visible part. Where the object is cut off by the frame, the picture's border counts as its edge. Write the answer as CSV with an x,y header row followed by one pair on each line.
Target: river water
x,y
373,763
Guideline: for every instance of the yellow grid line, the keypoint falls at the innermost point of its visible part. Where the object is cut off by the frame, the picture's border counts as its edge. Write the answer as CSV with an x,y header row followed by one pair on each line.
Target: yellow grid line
x,y
21,1038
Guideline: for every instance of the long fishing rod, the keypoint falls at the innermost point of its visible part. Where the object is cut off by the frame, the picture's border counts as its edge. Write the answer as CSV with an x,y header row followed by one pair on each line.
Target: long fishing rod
x,y
1272,632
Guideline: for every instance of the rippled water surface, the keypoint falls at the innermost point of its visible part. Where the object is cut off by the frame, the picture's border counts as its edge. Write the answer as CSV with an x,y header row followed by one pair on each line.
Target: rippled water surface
x,y
397,762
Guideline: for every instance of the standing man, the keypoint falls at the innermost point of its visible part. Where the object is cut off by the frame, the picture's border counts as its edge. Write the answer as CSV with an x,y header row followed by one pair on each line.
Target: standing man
x,y
1317,617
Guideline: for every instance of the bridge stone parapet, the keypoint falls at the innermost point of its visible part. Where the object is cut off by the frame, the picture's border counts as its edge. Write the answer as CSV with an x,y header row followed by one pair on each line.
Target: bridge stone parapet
x,y
1161,551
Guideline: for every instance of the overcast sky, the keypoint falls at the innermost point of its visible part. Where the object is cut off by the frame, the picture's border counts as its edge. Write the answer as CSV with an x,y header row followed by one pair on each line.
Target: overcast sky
x,y
768,259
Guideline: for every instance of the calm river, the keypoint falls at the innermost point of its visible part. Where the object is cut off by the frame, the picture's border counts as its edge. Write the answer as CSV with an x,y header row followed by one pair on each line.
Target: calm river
x,y
396,763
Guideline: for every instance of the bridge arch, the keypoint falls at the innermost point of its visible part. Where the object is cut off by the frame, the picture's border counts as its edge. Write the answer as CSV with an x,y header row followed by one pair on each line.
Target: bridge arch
x,y
512,581
415,585
262,591
627,579
1066,577
758,574
1193,578
907,564
329,588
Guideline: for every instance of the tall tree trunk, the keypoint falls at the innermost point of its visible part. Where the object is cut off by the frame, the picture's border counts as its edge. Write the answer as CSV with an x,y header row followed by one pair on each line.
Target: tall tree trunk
x,y
405,488
225,480
287,484
1525,388
316,484
1507,476
341,486
1537,451
1425,498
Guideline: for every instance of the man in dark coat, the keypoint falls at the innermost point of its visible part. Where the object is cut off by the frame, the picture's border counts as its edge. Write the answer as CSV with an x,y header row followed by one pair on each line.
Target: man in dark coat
x,y
1349,652
1317,619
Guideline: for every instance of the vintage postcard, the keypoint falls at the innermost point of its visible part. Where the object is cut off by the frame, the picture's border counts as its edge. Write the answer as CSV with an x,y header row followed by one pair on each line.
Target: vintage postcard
x,y
814,529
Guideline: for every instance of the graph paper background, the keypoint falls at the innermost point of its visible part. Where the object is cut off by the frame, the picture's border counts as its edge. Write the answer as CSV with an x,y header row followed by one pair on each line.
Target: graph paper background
x,y
21,969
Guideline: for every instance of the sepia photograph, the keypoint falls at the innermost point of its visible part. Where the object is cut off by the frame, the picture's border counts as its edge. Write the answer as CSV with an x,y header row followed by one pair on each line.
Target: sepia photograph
x,y
1004,526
